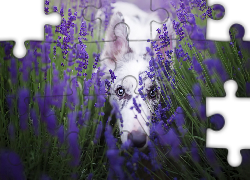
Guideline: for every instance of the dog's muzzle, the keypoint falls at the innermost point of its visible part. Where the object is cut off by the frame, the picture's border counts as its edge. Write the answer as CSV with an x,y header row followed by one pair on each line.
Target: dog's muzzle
x,y
138,139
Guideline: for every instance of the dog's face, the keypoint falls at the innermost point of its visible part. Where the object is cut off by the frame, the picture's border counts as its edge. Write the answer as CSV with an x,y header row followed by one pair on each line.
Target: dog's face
x,y
130,67
125,92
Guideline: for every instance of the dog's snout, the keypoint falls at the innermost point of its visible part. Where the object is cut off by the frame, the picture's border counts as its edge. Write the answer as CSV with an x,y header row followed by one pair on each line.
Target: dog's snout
x,y
138,139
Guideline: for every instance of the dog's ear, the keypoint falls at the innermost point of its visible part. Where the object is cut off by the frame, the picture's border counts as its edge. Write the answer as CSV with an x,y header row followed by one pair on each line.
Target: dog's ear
x,y
116,43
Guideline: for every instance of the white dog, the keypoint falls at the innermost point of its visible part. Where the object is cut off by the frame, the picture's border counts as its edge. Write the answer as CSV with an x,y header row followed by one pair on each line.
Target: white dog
x,y
129,60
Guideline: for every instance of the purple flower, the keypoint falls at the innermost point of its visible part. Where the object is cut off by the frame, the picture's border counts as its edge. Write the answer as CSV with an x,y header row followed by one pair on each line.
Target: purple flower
x,y
197,92
13,71
136,106
72,95
113,77
87,85
100,92
11,166
11,130
55,9
215,64
57,91
96,56
82,120
107,10
195,152
60,134
191,101
153,156
51,122
73,131
9,100
26,65
160,132
210,155
23,107
218,121
110,139
197,66
150,52
202,112
115,162
143,156
172,139
98,132
175,152
7,50
46,10
179,117
221,10
90,176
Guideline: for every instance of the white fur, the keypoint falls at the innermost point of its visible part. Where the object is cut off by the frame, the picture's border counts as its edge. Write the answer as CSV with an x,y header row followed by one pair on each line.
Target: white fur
x,y
130,59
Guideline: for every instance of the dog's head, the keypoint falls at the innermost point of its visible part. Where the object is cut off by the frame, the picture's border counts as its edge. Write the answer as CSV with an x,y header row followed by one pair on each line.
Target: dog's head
x,y
130,68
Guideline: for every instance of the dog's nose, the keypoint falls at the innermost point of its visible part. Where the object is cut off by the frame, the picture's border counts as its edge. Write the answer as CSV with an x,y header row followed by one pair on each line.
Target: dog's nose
x,y
138,139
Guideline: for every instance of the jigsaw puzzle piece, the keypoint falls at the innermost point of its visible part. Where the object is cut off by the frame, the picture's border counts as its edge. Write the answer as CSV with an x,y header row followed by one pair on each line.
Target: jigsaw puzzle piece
x,y
138,16
224,137
34,29
219,29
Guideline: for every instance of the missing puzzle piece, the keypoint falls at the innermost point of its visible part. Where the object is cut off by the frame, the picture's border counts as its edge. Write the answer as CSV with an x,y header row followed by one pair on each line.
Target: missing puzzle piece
x,y
218,29
235,111
26,23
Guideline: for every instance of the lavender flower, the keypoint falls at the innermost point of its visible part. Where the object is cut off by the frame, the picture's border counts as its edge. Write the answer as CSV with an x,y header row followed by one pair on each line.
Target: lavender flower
x,y
83,119
96,56
107,10
195,152
11,166
215,64
11,130
98,132
23,107
218,121
46,2
55,9
72,95
137,107
153,156
197,66
26,65
90,176
115,160
60,134
113,77
46,10
7,50
51,122
221,10
73,131
111,141
210,155
13,70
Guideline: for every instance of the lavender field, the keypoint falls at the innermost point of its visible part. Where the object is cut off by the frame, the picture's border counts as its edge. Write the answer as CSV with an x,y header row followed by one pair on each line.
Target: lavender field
x,y
56,121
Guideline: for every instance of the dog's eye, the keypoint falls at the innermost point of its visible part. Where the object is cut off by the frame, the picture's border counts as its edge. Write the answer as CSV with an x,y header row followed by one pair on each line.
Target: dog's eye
x,y
152,93
120,91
